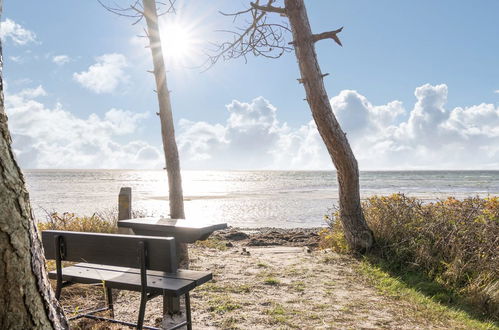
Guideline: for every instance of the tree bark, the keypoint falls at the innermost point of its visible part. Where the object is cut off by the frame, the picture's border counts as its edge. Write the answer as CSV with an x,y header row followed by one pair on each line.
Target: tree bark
x,y
358,234
176,197
26,297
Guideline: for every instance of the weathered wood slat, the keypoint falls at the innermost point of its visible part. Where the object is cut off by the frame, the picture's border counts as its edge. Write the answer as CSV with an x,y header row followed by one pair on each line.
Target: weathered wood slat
x,y
112,249
125,280
199,277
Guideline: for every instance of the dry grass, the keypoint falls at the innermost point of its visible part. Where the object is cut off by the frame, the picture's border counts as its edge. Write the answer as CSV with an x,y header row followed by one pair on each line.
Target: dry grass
x,y
452,242
70,222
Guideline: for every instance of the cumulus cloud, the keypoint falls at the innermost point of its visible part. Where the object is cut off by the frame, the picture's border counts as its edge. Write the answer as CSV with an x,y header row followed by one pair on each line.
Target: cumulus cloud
x,y
46,137
10,30
431,136
251,138
105,75
388,136
427,135
61,59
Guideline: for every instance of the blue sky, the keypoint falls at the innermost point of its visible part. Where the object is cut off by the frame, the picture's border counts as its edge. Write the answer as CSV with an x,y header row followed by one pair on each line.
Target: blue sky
x,y
414,88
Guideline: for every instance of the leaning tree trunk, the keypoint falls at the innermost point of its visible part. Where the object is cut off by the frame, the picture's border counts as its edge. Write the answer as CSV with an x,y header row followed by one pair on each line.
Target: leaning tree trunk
x,y
357,233
26,298
165,113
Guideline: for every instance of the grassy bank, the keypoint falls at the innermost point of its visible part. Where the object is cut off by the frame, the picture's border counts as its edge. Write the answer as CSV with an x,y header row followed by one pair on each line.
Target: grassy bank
x,y
448,248
434,266
96,223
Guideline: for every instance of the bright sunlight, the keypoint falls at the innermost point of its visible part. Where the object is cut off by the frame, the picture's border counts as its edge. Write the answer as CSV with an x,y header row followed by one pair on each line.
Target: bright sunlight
x,y
179,42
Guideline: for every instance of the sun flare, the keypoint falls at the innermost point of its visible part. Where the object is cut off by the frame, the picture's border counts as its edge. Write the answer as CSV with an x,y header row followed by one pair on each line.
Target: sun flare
x,y
178,41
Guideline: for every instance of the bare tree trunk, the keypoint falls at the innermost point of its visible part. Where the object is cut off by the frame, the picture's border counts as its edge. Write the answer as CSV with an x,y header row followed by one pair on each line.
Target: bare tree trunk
x,y
26,298
165,113
358,234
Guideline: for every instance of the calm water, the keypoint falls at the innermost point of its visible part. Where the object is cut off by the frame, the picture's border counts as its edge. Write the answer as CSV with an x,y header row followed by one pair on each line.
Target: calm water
x,y
241,198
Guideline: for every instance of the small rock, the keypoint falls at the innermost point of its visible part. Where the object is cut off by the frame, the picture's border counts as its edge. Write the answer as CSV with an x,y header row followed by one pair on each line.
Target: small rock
x,y
229,244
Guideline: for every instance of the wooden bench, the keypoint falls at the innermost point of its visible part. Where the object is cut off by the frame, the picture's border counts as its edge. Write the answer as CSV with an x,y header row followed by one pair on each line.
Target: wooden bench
x,y
138,263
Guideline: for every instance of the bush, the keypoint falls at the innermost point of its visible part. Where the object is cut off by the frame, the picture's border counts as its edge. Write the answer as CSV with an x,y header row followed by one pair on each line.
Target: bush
x,y
452,241
70,222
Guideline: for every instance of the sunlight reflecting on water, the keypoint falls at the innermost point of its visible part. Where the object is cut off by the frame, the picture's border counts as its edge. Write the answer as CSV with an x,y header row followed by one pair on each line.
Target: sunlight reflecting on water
x,y
241,198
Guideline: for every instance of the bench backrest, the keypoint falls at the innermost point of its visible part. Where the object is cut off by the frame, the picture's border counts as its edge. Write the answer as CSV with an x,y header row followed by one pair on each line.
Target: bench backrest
x,y
112,249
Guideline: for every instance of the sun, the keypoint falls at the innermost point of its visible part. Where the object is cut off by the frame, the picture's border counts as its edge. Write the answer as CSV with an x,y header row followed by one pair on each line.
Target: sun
x,y
178,41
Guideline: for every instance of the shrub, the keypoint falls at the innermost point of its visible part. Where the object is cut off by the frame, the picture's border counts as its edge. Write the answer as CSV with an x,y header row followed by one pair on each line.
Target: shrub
x,y
70,222
452,241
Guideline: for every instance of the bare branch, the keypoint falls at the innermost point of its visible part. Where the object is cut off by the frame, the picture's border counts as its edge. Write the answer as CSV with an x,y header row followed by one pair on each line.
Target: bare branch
x,y
259,37
269,8
135,9
328,35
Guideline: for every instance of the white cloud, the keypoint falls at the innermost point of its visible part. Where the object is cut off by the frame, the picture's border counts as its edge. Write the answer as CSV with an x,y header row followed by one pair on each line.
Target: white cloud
x,y
61,59
251,138
31,93
432,136
16,59
46,137
389,136
105,75
496,91
16,33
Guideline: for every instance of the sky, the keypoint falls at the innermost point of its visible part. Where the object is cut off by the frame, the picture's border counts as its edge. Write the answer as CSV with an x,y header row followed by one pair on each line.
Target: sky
x,y
415,86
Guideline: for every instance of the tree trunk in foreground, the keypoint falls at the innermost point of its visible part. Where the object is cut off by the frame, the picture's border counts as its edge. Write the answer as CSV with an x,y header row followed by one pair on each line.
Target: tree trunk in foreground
x,y
176,197
26,298
357,233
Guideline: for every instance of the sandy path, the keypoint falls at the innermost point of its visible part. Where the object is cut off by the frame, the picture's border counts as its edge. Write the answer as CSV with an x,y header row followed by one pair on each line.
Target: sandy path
x,y
279,287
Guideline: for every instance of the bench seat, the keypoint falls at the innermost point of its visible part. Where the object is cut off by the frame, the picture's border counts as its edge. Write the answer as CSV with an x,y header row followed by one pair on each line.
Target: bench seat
x,y
172,284
147,264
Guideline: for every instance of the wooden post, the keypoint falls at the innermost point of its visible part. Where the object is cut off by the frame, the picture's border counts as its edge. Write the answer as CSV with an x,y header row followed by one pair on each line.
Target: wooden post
x,y
125,208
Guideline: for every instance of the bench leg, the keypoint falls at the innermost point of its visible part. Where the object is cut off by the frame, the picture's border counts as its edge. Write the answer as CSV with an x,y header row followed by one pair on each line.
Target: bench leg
x,y
188,311
171,305
109,299
142,310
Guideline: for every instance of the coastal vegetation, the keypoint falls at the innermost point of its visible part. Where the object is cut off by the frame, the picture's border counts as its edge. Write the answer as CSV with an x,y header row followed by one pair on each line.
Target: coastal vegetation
x,y
96,223
446,248
286,287
415,272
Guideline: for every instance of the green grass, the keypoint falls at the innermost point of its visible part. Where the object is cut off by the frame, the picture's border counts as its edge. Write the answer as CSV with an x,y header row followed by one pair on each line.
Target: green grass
x,y
213,243
271,281
430,300
222,304
280,315
452,241
299,286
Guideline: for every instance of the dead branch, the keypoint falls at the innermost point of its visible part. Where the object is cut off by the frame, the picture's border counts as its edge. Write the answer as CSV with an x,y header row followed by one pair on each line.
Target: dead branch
x,y
135,9
269,8
261,36
328,35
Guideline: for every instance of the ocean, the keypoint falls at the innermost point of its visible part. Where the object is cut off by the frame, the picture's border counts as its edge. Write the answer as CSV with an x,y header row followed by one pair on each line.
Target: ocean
x,y
283,199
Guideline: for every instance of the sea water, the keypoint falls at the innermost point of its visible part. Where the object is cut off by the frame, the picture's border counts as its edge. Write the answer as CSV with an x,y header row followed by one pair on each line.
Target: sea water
x,y
282,199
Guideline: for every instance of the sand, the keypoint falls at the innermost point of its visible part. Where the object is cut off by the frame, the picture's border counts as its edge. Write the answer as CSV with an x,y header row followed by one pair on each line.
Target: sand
x,y
270,279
